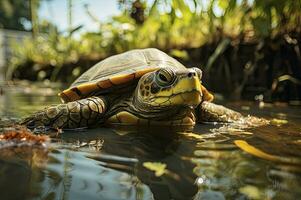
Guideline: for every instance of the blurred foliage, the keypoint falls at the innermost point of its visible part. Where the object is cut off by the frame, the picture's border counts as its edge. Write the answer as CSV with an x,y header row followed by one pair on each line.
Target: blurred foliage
x,y
176,24
14,13
171,25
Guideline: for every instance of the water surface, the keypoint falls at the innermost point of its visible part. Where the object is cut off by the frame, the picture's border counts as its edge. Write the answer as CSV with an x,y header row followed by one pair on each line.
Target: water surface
x,y
104,163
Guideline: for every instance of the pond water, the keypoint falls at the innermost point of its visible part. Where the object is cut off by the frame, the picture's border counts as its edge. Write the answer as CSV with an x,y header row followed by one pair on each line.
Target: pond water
x,y
212,162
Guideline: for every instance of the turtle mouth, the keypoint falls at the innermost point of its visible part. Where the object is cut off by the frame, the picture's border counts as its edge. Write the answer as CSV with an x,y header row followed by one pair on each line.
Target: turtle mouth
x,y
191,99
180,93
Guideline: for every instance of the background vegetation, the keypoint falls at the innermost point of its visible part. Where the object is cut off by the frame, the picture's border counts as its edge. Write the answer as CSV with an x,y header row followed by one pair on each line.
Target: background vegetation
x,y
246,48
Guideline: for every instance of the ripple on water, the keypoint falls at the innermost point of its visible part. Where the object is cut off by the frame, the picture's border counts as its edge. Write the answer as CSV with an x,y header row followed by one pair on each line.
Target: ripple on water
x,y
204,164
83,176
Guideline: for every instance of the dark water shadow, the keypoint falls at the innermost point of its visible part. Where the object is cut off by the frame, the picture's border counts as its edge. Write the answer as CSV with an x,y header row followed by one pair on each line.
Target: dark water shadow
x,y
126,151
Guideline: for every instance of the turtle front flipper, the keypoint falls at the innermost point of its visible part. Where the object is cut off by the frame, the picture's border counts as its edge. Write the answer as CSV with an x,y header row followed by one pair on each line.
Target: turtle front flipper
x,y
81,113
210,112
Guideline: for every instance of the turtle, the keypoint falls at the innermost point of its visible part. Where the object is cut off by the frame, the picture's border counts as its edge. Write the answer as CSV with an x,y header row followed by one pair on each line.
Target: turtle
x,y
140,87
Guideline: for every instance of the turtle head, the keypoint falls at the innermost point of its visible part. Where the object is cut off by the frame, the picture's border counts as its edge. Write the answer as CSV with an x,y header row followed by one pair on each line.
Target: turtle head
x,y
165,88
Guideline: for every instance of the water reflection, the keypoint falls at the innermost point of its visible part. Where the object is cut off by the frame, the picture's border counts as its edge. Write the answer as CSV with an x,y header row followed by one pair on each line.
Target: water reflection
x,y
82,177
18,170
225,172
127,154
106,163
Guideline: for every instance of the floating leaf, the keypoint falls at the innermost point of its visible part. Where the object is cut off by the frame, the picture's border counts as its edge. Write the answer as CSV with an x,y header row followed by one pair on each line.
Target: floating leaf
x,y
253,150
157,167
258,153
278,122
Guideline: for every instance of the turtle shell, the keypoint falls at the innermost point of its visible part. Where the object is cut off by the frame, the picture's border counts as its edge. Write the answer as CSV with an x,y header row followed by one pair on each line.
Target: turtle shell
x,y
118,70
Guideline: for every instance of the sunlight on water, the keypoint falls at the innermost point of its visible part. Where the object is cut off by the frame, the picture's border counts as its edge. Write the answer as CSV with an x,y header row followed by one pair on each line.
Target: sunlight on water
x,y
212,162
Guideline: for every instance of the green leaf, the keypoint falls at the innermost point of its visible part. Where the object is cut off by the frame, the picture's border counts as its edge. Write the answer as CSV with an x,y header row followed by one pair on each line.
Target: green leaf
x,y
157,167
223,4
218,51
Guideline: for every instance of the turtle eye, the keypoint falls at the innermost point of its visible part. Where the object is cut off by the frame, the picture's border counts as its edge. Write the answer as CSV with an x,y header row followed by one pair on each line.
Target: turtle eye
x,y
164,77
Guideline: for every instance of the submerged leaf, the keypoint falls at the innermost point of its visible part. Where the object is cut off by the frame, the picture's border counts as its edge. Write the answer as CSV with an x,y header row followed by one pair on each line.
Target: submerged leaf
x,y
157,167
251,191
278,122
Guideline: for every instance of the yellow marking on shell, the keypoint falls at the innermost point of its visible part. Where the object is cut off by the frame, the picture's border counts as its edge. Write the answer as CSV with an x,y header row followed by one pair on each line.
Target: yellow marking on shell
x,y
207,96
141,72
120,79
87,88
104,84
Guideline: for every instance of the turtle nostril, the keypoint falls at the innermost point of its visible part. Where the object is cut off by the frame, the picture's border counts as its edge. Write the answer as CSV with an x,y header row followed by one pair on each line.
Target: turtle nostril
x,y
191,74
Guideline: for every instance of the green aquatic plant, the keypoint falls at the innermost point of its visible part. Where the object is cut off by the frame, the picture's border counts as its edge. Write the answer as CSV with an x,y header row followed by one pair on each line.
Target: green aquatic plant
x,y
230,39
